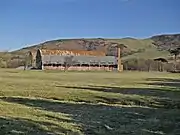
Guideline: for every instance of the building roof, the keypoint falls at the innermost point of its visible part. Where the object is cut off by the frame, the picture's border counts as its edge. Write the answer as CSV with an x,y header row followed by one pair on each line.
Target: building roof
x,y
72,52
31,53
161,59
102,60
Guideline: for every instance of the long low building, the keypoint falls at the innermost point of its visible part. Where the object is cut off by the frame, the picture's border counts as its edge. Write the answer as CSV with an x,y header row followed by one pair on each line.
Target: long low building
x,y
79,62
74,60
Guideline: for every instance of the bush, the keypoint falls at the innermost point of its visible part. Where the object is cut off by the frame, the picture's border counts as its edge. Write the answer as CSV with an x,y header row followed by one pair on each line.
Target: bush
x,y
15,63
3,64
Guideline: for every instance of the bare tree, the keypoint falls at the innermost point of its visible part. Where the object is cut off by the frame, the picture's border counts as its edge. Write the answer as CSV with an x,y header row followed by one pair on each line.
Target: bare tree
x,y
148,64
68,62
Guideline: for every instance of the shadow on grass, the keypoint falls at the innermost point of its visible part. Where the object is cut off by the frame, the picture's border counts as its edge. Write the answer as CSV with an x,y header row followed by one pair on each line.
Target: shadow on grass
x,y
151,97
104,119
160,92
165,82
21,126
132,91
162,118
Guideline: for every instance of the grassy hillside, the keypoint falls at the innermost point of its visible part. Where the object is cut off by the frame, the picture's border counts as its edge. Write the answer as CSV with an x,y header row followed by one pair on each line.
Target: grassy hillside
x,y
72,103
150,48
153,47
135,47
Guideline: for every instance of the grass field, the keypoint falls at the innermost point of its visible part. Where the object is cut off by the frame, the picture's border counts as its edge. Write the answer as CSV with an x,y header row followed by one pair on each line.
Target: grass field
x,y
92,103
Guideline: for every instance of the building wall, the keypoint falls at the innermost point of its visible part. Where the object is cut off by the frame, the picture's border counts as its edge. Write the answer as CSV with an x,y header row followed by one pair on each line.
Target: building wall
x,y
78,68
40,57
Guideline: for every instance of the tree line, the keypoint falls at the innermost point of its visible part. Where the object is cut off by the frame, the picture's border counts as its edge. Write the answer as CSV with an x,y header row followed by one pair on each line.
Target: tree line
x,y
150,65
159,64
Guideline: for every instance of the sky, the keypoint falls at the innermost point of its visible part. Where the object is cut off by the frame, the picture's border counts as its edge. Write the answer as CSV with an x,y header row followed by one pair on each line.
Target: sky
x,y
28,22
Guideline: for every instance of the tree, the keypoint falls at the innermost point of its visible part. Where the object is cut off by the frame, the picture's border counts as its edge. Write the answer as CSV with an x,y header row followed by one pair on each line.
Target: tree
x,y
148,63
122,46
68,62
27,61
175,52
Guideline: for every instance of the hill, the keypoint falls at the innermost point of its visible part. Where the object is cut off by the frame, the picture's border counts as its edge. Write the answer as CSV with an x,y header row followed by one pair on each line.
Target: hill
x,y
166,42
156,46
150,48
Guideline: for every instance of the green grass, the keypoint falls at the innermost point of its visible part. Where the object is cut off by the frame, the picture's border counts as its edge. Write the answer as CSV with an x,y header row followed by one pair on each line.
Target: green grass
x,y
150,52
96,103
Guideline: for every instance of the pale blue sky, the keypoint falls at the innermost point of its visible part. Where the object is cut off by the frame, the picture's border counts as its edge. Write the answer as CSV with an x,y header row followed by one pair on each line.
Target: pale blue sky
x,y
27,22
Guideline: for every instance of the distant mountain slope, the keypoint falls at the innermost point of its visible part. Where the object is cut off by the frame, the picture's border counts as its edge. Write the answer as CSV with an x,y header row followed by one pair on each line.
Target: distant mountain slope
x,y
166,42
156,46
